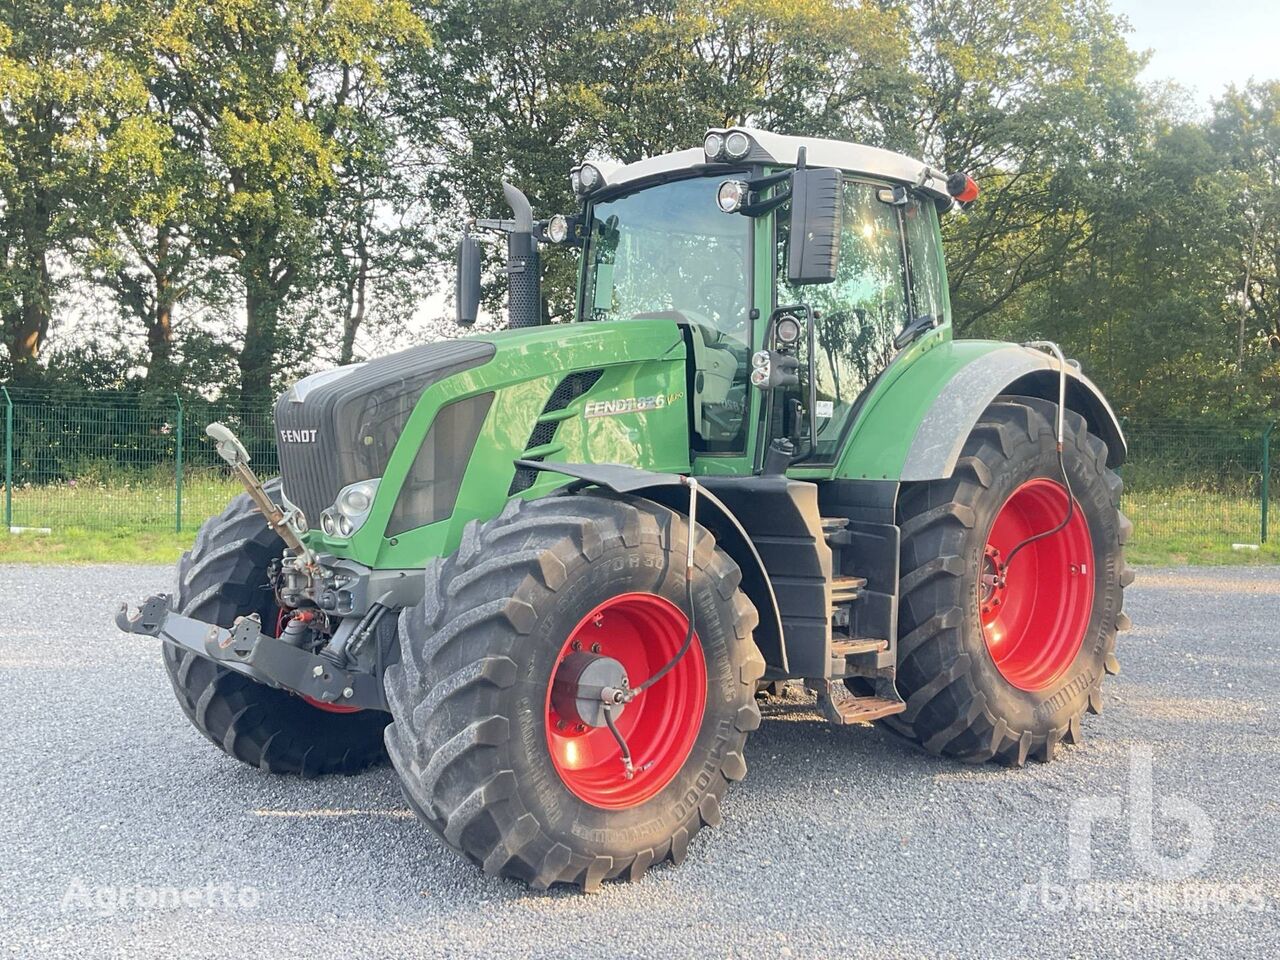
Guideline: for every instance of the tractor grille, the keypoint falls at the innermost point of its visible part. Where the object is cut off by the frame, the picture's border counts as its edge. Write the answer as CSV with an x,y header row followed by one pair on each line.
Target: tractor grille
x,y
340,426
566,392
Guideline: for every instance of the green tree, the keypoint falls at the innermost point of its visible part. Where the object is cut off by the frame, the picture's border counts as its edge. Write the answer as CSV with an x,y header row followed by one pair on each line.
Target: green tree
x,y
1036,99
265,92
59,86
1246,131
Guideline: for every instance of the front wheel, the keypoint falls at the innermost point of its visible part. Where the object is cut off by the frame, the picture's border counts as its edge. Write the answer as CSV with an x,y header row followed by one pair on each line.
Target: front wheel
x,y
223,577
1001,655
493,750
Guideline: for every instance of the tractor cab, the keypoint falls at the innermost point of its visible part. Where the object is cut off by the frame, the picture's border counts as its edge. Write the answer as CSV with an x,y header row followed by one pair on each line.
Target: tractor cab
x,y
841,240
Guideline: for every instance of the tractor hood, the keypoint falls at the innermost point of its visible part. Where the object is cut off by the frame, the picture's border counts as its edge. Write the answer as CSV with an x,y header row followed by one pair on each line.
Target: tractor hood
x,y
338,427
343,426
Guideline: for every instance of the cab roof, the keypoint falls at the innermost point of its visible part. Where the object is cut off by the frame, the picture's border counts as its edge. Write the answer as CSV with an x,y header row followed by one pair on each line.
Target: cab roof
x,y
775,149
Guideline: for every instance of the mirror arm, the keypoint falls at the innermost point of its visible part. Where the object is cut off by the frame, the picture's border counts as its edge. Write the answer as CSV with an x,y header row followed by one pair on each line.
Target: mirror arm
x,y
762,207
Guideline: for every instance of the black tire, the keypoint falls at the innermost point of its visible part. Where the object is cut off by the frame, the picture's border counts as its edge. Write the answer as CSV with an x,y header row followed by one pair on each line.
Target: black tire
x,y
958,702
469,734
222,577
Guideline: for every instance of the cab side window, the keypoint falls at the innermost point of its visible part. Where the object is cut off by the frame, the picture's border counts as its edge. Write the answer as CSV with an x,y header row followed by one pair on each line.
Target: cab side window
x,y
889,273
861,312
924,257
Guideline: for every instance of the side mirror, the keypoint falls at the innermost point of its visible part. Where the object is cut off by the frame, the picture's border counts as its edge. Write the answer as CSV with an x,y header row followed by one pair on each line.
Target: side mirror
x,y
467,293
814,248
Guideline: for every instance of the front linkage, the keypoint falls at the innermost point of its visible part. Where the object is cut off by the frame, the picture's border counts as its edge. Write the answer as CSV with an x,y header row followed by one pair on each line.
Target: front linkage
x,y
338,669
274,661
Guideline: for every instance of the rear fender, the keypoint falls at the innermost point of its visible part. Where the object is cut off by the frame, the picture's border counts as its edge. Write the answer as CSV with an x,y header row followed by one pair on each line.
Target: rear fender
x,y
1009,370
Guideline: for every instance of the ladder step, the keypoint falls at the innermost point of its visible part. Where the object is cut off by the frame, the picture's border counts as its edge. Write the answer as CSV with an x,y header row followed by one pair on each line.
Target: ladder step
x,y
851,646
863,709
846,589
832,524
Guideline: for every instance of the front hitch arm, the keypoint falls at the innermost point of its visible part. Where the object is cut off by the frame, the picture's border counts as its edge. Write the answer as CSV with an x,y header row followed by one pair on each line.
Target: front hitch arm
x,y
261,657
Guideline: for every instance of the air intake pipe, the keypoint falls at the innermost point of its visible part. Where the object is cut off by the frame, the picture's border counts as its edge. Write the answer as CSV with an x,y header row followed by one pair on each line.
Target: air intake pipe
x,y
524,279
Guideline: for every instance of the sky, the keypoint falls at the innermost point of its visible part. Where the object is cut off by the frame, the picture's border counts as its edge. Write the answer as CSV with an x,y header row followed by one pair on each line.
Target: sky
x,y
1205,46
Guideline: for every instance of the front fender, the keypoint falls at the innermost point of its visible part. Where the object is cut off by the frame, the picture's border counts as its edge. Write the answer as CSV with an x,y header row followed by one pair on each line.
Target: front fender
x,y
668,490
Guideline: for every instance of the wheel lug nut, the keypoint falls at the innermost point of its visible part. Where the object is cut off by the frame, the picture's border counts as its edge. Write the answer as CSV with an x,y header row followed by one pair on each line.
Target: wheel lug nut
x,y
595,648
560,724
577,645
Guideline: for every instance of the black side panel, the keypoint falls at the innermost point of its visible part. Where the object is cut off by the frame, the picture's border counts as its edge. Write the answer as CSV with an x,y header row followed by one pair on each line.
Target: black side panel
x,y
340,426
431,487
782,518
869,548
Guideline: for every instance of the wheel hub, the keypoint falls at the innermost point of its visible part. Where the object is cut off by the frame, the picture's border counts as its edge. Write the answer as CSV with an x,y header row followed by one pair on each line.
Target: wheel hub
x,y
992,582
628,636
576,689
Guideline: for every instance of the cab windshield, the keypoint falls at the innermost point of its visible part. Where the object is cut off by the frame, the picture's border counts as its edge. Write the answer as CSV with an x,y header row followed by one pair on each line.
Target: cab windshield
x,y
668,251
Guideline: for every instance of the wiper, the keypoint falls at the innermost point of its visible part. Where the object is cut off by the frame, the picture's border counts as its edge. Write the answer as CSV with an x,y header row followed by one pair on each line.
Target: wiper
x,y
916,329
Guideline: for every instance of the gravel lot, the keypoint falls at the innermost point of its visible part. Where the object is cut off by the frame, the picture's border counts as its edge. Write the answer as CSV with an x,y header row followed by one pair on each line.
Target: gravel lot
x,y
839,843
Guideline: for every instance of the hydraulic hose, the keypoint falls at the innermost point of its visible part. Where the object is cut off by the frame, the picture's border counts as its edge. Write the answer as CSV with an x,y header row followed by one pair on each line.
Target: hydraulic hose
x,y
1062,464
613,696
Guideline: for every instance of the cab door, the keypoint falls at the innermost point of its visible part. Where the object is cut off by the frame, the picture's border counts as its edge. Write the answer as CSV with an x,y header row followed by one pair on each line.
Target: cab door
x,y
889,276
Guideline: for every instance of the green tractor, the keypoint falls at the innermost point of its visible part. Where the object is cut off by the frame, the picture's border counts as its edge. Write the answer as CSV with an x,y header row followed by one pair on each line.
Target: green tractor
x,y
549,570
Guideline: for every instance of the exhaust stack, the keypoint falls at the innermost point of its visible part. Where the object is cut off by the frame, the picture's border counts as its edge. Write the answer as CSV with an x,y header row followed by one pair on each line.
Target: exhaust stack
x,y
524,281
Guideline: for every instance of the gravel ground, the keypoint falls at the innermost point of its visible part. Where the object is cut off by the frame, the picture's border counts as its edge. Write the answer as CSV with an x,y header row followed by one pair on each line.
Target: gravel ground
x,y
840,841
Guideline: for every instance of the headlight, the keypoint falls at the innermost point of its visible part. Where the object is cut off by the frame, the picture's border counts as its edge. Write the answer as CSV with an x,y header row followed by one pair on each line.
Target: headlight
x,y
732,196
356,499
761,368
737,145
787,329
712,146
585,178
350,510
558,228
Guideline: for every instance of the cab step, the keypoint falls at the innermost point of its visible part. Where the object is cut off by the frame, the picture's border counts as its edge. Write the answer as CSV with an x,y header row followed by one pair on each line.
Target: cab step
x,y
832,525
852,646
846,589
841,707
863,709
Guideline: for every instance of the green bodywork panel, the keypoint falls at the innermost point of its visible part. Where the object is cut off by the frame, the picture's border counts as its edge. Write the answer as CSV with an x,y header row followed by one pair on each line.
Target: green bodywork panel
x,y
639,359
895,405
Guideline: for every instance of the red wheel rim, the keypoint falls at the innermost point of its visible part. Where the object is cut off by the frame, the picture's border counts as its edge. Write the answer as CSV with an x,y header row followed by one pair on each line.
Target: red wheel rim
x,y
642,632
330,707
1034,618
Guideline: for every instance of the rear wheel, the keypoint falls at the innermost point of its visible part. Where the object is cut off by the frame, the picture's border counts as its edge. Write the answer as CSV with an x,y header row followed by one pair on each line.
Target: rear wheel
x,y
222,577
999,659
491,746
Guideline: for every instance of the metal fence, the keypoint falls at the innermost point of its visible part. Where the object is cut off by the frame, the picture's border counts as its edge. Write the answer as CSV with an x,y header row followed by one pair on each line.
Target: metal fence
x,y
120,462
109,462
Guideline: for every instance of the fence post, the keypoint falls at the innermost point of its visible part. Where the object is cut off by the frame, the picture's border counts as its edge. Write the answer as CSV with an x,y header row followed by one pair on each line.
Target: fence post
x,y
1266,476
177,512
8,460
